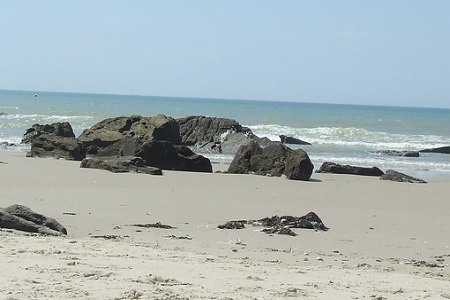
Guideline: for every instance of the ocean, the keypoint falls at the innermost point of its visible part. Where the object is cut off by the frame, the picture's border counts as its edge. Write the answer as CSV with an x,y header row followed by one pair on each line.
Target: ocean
x,y
345,134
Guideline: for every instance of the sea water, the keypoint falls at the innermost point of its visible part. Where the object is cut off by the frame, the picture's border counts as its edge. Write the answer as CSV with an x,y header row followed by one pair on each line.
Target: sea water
x,y
345,134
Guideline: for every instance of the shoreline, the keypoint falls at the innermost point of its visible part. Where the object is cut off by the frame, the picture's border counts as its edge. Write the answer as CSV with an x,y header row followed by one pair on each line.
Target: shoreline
x,y
384,236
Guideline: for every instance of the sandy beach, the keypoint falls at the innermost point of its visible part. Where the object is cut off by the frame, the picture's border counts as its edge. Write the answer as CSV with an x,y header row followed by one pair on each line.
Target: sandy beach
x,y
387,240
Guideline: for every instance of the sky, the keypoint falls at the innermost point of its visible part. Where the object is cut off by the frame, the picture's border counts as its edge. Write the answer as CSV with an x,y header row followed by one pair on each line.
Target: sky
x,y
351,52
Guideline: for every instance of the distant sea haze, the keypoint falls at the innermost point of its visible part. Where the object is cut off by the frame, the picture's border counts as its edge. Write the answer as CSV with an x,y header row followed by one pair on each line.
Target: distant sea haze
x,y
345,134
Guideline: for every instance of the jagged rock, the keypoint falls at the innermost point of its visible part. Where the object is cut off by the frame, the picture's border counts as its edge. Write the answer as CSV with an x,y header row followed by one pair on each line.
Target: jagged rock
x,y
442,150
394,175
200,130
110,131
22,218
399,153
274,160
231,143
119,164
330,167
62,129
51,145
292,140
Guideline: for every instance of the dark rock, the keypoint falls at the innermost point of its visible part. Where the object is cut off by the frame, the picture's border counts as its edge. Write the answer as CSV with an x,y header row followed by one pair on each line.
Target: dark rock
x,y
330,167
127,146
62,129
292,140
298,165
159,154
399,153
164,155
394,175
22,218
274,160
110,131
201,130
119,164
442,150
51,145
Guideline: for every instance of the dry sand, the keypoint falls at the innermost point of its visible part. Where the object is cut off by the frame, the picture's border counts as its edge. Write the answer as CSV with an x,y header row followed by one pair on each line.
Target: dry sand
x,y
387,240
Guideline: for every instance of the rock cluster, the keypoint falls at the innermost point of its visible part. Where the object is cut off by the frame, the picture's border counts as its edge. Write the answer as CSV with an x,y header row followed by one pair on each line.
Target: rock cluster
x,y
280,225
156,140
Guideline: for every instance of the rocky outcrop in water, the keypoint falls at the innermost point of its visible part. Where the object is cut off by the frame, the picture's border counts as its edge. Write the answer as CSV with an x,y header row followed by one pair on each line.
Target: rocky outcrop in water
x,y
394,175
274,160
22,218
442,150
399,153
330,167
292,140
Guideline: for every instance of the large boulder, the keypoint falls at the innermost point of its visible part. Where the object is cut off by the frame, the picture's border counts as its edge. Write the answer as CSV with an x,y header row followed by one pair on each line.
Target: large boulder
x,y
195,130
165,155
22,218
159,154
443,150
119,164
51,145
111,130
62,129
330,167
274,160
394,175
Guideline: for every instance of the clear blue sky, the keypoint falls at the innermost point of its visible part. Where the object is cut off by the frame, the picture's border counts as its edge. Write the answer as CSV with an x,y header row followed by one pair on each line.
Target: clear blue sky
x,y
360,52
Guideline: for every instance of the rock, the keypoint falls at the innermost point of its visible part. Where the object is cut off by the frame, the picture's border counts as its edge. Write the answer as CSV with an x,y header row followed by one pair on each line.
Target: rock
x,y
51,145
442,150
119,164
274,160
22,218
62,129
110,131
164,155
196,130
298,165
291,140
394,175
399,153
158,154
330,167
